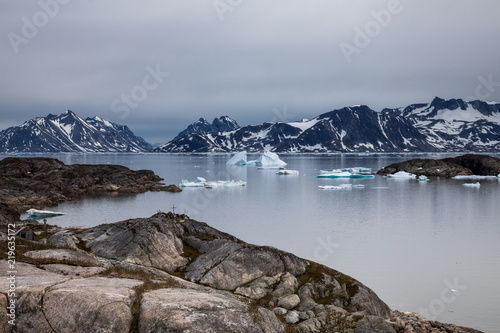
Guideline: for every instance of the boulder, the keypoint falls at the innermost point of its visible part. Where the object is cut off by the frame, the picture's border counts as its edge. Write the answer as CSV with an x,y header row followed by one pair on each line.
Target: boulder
x,y
289,302
292,317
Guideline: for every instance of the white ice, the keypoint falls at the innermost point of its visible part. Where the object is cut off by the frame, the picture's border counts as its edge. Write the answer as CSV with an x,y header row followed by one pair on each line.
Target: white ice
x,y
238,159
402,175
472,184
473,177
42,213
269,159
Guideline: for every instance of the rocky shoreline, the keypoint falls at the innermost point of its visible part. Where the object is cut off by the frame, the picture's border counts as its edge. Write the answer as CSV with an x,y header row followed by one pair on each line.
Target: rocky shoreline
x,y
166,273
470,164
42,182
171,273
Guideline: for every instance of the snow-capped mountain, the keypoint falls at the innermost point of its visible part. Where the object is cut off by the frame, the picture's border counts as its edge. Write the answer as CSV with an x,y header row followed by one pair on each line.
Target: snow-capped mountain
x,y
221,124
68,132
442,125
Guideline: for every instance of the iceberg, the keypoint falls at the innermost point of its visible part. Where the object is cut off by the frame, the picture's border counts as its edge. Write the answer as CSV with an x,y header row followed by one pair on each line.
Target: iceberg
x,y
402,175
269,159
238,159
423,178
39,214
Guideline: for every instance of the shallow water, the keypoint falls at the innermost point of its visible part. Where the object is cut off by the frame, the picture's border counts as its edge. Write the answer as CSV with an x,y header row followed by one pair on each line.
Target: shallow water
x,y
410,241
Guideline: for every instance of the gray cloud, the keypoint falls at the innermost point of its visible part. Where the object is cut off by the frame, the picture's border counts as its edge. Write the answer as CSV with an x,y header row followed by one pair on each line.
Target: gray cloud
x,y
262,56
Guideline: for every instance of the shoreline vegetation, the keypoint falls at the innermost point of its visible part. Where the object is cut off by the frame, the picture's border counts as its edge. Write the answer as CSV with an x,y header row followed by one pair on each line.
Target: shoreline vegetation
x,y
165,272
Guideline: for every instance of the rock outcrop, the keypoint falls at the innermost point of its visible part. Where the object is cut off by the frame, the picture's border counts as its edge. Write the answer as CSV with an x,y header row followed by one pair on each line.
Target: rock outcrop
x,y
168,273
41,182
470,164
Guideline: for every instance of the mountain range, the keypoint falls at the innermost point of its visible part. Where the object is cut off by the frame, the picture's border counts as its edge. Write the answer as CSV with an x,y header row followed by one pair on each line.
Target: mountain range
x,y
439,126
442,125
68,132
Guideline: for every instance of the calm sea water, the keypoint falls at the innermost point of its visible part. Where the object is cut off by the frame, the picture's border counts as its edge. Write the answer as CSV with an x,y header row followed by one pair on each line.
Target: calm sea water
x,y
427,247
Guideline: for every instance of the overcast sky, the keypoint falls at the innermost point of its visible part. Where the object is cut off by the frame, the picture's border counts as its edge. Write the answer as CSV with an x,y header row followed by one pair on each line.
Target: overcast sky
x,y
157,66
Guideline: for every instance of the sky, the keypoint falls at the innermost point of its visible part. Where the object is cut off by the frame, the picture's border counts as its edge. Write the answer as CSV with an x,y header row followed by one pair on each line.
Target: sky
x,y
157,66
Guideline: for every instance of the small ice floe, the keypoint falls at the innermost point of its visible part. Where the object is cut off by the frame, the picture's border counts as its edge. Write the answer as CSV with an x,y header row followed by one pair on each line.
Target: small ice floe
x,y
402,175
358,170
288,172
202,182
472,184
423,178
39,214
336,187
199,182
342,174
224,183
474,177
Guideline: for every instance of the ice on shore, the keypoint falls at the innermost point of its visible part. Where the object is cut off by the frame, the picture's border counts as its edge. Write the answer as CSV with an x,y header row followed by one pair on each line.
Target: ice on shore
x,y
238,159
402,175
269,159
38,214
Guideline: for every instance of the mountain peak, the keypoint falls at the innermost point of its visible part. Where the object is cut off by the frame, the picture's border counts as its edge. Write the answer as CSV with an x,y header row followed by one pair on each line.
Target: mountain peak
x,y
202,126
68,132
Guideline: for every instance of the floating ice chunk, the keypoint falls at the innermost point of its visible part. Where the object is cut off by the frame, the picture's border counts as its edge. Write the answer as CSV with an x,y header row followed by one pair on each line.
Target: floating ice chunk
x,y
358,170
238,159
336,187
226,183
343,174
38,214
269,159
423,178
472,184
335,174
474,177
199,182
330,171
402,175
288,172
